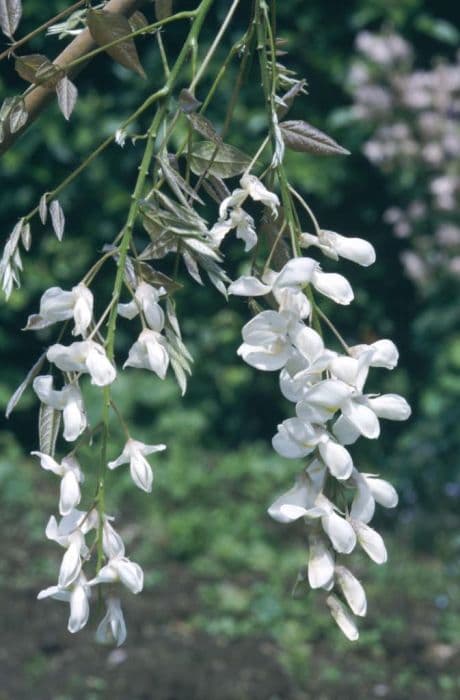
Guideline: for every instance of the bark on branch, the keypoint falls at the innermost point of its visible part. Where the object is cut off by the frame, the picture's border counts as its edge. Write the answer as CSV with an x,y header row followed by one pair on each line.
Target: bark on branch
x,y
42,96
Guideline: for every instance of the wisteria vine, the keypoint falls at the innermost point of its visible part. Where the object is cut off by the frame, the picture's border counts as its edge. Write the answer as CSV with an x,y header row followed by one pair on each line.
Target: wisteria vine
x,y
283,285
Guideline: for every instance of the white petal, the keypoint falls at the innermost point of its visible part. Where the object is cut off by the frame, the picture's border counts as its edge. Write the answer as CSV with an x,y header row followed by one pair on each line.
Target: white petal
x,y
70,493
309,343
340,532
334,286
74,419
48,463
57,305
300,495
124,458
269,359
141,472
265,328
383,492
112,627
154,315
352,590
345,432
296,273
330,393
129,310
83,309
343,618
130,574
79,609
248,287
43,387
371,542
100,368
70,566
320,562
355,249
384,353
391,407
111,541
363,505
363,418
337,459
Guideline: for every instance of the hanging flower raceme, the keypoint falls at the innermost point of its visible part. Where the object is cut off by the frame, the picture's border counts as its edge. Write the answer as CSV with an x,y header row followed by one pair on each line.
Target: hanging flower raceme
x,y
332,411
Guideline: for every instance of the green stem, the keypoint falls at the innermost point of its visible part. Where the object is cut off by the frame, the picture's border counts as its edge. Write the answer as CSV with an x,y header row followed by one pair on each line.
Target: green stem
x,y
200,15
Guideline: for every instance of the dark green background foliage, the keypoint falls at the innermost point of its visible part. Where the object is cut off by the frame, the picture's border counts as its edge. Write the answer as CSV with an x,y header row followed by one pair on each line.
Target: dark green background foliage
x,y
205,522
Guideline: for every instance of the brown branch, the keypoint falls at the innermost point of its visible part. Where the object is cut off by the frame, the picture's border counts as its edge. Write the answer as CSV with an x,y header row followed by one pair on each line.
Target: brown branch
x,y
41,96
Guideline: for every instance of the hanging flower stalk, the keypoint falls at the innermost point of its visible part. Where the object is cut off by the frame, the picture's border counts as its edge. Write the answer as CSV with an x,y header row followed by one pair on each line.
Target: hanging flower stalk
x,y
284,285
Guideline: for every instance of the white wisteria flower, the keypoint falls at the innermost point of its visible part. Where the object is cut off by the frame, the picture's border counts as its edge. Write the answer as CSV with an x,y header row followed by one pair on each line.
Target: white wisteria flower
x,y
58,305
146,300
78,596
250,186
71,477
149,352
334,245
241,221
141,471
296,273
121,569
68,400
369,490
86,356
112,628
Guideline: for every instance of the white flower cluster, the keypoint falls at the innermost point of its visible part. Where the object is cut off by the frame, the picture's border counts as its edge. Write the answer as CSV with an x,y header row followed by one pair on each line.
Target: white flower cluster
x,y
333,410
89,357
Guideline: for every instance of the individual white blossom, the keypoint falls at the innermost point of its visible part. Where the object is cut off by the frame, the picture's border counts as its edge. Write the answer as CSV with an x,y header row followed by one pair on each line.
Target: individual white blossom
x,y
58,305
133,454
149,352
68,400
145,300
71,476
333,245
112,628
239,220
121,569
78,596
87,356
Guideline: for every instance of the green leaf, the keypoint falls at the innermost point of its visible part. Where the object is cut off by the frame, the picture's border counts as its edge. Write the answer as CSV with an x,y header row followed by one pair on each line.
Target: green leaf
x,y
163,9
67,94
303,137
137,21
188,102
223,161
18,116
48,427
57,219
37,68
10,15
14,400
204,127
106,27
